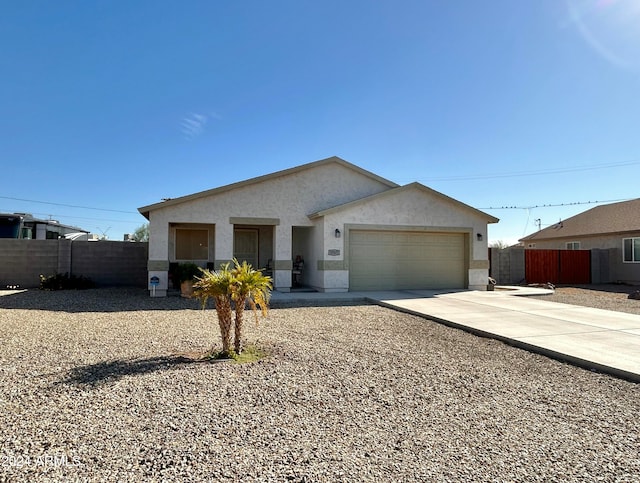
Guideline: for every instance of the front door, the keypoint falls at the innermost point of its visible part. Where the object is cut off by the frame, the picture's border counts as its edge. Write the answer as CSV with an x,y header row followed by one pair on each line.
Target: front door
x,y
245,245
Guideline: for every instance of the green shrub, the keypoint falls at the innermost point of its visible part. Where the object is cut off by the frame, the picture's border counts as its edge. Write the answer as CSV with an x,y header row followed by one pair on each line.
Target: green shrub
x,y
188,271
65,281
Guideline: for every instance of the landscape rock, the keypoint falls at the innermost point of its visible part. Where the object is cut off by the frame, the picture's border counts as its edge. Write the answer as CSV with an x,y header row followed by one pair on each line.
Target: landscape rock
x,y
94,387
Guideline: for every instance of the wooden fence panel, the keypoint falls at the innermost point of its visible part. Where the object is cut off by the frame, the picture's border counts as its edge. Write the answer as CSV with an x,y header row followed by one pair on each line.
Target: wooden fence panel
x,y
541,266
575,266
558,266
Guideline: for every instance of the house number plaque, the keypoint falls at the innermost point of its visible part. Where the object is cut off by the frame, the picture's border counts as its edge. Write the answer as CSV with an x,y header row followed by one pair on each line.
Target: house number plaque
x,y
334,252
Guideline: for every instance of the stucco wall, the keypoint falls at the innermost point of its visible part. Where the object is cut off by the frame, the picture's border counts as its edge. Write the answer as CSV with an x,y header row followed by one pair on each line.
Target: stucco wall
x,y
413,209
314,276
292,198
289,199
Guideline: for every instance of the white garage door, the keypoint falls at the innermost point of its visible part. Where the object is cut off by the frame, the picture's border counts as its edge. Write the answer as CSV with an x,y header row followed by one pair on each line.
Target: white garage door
x,y
389,260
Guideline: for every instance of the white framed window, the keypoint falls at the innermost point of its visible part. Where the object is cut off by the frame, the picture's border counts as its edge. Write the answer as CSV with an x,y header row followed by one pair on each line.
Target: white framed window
x,y
531,245
192,244
631,250
573,246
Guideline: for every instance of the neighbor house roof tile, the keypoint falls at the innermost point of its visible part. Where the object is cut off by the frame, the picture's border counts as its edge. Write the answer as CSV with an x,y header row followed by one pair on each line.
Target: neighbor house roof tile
x,y
621,217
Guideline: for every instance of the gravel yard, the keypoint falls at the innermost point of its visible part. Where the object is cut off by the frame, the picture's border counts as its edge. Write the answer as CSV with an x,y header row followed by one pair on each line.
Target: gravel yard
x,y
607,297
93,388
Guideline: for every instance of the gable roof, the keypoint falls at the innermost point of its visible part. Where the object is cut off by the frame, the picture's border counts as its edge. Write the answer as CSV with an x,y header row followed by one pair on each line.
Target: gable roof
x,y
398,189
332,160
622,217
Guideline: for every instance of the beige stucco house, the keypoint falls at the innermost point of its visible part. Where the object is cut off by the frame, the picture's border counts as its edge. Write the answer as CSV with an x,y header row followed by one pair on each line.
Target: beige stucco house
x,y
353,229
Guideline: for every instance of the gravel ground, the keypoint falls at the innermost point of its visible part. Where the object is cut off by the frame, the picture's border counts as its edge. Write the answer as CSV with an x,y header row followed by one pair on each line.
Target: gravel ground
x,y
92,388
607,297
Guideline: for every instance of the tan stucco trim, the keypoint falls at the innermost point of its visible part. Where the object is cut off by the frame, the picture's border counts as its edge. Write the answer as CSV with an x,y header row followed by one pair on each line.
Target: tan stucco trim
x,y
331,265
157,265
283,264
475,264
441,229
238,220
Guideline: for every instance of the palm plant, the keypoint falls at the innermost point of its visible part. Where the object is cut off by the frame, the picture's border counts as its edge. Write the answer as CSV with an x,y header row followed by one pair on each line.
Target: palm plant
x,y
248,286
217,285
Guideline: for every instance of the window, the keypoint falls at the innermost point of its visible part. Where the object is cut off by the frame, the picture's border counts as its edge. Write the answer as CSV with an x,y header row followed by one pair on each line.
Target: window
x,y
573,246
531,245
631,250
192,244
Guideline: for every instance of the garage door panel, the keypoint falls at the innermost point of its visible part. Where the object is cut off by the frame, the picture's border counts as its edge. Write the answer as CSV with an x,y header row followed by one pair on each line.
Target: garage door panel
x,y
382,260
368,252
414,252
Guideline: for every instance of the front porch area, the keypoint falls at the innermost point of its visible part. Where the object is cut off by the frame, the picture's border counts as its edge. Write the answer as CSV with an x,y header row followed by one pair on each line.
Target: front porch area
x,y
280,252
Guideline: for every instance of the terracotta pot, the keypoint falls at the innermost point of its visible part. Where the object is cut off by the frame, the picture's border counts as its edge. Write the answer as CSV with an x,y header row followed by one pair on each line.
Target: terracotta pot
x,y
186,289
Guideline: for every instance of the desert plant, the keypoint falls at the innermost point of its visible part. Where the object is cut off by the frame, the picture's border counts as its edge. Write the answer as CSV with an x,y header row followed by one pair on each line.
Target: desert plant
x,y
248,286
217,286
240,285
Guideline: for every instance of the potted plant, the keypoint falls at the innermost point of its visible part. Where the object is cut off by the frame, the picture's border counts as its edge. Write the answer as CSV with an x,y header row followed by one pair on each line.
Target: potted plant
x,y
187,272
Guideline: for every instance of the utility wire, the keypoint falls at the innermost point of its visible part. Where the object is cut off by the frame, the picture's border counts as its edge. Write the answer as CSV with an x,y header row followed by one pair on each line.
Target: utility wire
x,y
53,215
551,205
69,206
514,174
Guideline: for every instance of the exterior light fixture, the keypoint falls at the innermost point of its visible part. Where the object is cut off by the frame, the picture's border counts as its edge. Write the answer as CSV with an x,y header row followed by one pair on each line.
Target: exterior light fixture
x,y
337,233
479,236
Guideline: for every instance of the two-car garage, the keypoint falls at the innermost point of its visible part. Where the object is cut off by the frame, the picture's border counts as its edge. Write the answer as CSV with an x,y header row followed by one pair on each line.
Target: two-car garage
x,y
403,260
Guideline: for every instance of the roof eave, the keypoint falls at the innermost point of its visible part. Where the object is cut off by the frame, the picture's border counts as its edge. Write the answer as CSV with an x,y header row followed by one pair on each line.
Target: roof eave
x,y
533,236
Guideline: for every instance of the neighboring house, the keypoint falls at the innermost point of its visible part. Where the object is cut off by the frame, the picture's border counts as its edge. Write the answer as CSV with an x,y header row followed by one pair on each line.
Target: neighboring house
x,y
614,228
353,229
25,226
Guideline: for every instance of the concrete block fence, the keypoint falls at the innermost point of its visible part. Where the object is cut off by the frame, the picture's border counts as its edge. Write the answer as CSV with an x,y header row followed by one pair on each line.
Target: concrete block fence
x,y
107,263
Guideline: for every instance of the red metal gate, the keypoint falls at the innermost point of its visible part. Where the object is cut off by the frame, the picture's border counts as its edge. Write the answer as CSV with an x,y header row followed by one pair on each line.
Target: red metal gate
x,y
558,266
575,266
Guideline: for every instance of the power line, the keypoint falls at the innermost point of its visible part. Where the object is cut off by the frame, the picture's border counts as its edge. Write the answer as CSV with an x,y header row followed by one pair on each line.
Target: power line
x,y
551,205
68,206
514,174
75,217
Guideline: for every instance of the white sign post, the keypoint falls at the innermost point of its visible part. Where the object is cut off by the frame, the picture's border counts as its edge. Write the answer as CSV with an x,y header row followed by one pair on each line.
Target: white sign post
x,y
154,282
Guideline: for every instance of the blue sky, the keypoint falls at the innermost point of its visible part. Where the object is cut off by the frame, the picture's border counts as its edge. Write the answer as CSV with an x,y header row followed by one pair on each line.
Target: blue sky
x,y
111,106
